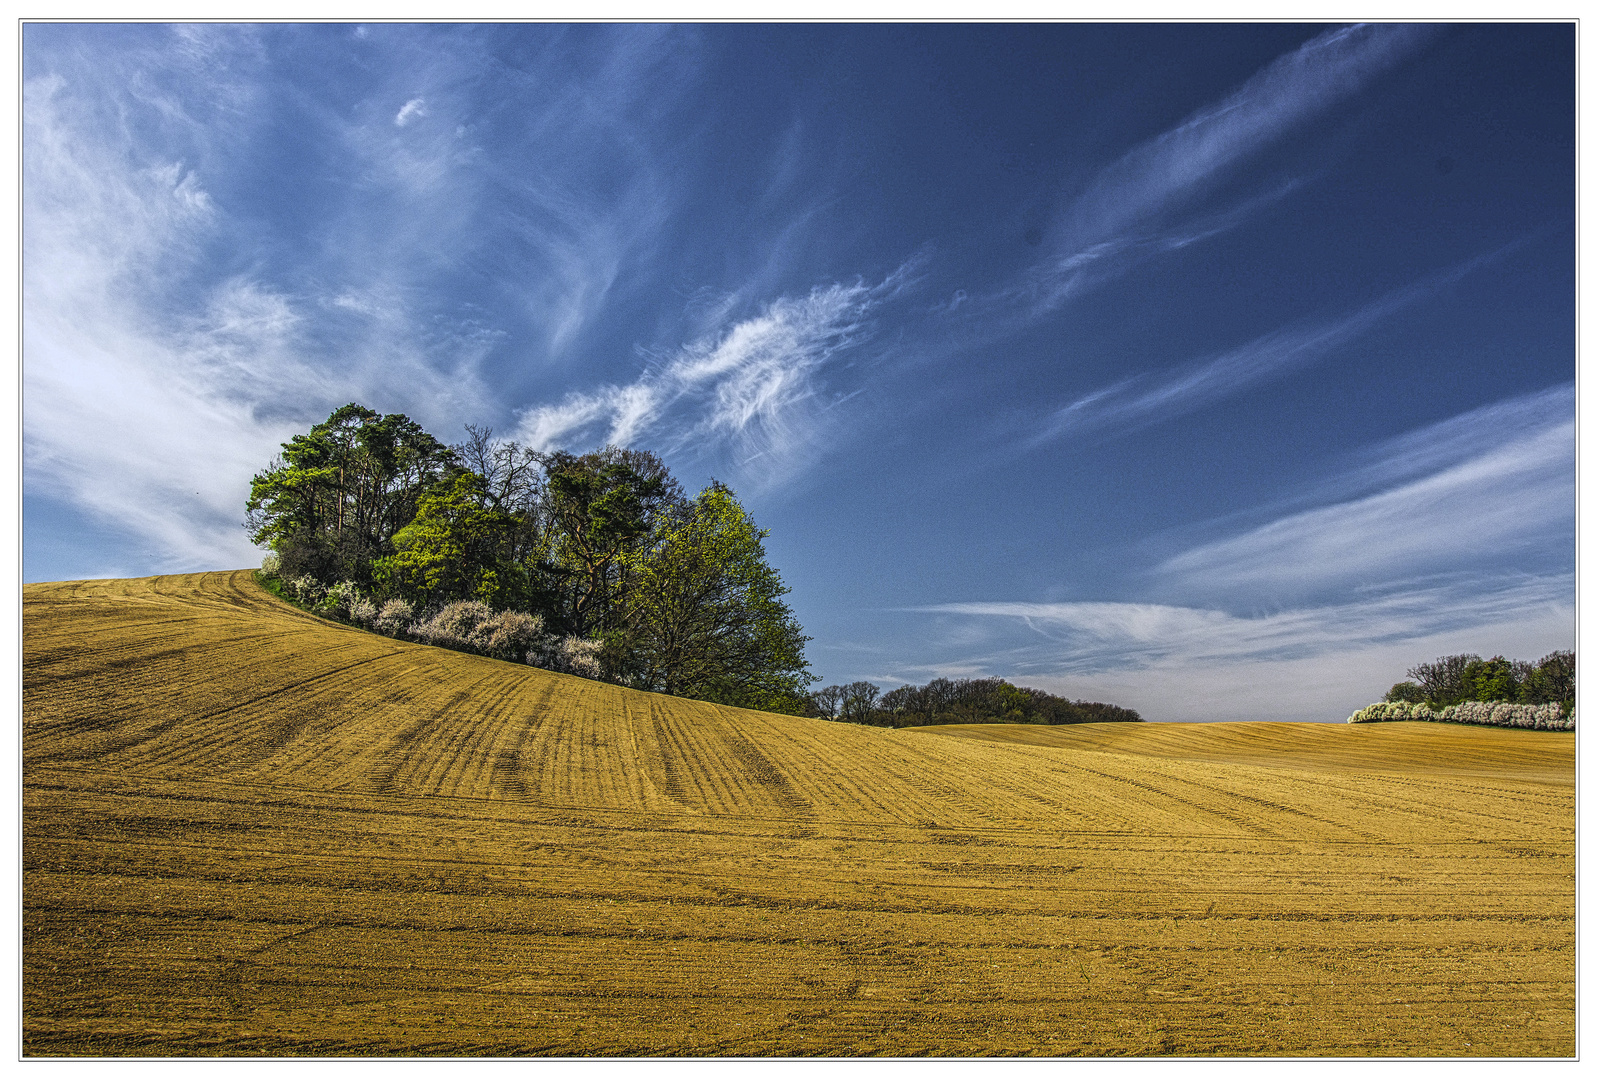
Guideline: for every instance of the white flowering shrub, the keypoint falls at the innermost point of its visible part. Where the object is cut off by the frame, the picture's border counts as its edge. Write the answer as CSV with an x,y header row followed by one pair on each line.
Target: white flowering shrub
x,y
362,611
271,564
305,589
454,625
394,617
1393,710
1486,713
339,598
508,635
572,655
473,626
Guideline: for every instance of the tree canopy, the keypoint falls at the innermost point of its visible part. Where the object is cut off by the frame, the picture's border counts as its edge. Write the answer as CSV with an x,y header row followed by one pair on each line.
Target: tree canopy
x,y
1453,680
959,701
703,611
333,500
650,588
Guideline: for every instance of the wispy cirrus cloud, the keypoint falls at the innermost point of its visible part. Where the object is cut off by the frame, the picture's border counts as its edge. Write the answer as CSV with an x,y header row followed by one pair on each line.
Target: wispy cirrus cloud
x,y
753,384
1148,398
1400,557
1149,201
1309,663
544,205
1497,481
1101,636
163,358
120,417
1442,445
411,110
182,318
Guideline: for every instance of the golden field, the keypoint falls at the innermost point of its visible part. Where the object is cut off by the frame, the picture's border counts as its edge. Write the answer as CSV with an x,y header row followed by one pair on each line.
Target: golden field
x,y
247,831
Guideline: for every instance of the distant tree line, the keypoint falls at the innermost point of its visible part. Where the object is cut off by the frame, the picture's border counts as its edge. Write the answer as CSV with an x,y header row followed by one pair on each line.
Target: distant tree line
x,y
958,701
603,558
1453,680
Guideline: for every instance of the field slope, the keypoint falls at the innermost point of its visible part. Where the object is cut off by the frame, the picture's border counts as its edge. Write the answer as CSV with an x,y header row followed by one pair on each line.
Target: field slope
x,y
248,831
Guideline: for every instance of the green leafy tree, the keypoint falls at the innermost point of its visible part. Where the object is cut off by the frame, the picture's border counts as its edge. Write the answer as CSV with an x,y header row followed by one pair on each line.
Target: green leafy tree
x,y
600,509
1552,680
1405,691
1014,705
1452,680
989,701
704,614
453,550
332,501
1490,680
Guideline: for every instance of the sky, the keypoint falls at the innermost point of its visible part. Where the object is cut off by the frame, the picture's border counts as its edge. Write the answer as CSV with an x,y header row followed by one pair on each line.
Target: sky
x,y
1219,371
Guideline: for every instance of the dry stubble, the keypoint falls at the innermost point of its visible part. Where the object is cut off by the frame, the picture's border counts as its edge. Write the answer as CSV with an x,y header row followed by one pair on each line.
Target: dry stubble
x,y
248,831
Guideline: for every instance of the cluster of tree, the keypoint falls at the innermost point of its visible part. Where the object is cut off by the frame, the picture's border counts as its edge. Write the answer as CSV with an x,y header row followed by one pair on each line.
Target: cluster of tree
x,y
603,547
1452,680
958,701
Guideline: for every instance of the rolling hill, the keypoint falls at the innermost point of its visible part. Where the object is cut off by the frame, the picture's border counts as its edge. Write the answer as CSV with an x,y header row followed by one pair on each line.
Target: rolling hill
x,y
248,831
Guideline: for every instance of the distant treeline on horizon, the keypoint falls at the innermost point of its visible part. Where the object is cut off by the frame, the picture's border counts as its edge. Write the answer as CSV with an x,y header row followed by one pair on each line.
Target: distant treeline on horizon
x,y
1466,677
959,701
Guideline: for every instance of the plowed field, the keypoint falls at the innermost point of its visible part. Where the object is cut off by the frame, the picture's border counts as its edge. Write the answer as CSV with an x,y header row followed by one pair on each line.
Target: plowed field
x,y
251,832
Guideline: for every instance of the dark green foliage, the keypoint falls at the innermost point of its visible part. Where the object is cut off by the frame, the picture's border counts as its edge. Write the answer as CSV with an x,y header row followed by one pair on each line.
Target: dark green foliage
x,y
962,701
1451,680
455,548
333,500
702,612
599,509
1490,680
1405,691
1553,679
628,578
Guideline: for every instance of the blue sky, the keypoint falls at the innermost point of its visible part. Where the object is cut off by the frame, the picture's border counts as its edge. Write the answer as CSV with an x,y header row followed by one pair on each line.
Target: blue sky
x,y
1220,371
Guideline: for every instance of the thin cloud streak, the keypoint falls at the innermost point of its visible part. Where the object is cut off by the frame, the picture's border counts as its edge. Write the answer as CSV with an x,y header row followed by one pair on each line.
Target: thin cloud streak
x,y
755,385
1404,531
1308,664
1132,403
1105,636
1323,688
1517,494
565,221
1053,283
1131,203
1152,201
1457,439
411,110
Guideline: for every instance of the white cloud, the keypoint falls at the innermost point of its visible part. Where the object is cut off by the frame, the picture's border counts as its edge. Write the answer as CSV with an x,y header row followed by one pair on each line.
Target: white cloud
x,y
1145,203
1168,171
1382,572
150,400
1459,438
411,110
1132,402
1303,664
754,385
1106,636
1077,269
1515,490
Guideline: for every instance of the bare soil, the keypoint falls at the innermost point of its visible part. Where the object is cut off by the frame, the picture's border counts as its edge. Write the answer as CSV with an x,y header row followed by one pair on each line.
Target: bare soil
x,y
247,831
